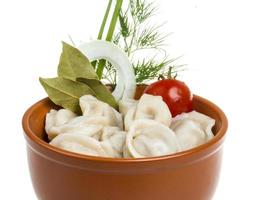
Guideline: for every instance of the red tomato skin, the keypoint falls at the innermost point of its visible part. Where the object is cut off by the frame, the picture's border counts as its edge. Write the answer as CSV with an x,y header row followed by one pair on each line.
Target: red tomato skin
x,y
175,93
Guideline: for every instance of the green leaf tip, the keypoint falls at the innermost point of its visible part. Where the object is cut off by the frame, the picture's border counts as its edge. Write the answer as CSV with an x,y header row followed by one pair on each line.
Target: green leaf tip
x,y
73,63
101,91
65,92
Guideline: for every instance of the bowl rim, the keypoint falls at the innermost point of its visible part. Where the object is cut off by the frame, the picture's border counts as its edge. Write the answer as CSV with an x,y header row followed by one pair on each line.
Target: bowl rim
x,y
188,153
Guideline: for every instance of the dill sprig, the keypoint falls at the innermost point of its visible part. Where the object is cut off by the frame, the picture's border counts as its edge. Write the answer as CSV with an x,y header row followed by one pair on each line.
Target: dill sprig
x,y
147,70
136,36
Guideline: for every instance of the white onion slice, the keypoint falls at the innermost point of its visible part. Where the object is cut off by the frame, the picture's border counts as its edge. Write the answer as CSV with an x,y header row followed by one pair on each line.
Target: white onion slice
x,y
99,49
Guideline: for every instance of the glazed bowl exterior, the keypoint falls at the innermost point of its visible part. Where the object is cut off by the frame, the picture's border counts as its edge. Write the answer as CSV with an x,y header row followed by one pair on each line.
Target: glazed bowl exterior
x,y
61,175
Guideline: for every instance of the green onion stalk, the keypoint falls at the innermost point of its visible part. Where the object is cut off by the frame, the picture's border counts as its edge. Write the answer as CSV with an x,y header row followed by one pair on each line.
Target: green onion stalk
x,y
111,30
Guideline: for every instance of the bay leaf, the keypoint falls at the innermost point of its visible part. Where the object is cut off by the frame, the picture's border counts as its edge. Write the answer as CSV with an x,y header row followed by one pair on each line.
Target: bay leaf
x,y
73,63
65,92
101,91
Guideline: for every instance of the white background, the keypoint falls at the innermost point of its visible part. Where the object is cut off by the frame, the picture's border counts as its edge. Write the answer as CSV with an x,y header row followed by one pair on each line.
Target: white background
x,y
221,41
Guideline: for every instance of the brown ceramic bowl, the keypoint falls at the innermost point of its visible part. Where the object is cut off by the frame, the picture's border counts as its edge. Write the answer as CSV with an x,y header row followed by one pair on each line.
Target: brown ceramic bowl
x,y
61,175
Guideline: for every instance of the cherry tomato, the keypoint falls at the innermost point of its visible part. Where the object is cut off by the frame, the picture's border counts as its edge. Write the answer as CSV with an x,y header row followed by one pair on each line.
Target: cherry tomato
x,y
175,93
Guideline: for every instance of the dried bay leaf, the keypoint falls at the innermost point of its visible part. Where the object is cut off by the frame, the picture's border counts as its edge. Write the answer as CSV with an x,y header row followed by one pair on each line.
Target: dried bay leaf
x,y
65,92
101,91
73,63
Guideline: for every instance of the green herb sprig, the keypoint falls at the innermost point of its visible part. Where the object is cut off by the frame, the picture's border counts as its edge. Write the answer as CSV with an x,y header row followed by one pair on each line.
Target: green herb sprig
x,y
136,35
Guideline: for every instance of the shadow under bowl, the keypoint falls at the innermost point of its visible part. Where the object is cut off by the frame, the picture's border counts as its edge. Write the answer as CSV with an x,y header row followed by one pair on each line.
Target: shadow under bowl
x,y
61,175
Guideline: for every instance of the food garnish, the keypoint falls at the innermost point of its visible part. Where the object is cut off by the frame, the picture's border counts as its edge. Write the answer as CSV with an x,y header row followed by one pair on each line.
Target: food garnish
x,y
76,77
175,93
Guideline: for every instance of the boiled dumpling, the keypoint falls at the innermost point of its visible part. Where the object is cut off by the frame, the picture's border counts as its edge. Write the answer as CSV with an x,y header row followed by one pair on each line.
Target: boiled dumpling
x,y
149,107
110,149
99,132
149,138
117,120
90,126
125,105
115,137
126,153
153,107
129,118
83,144
94,131
91,106
108,132
57,118
87,120
192,129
